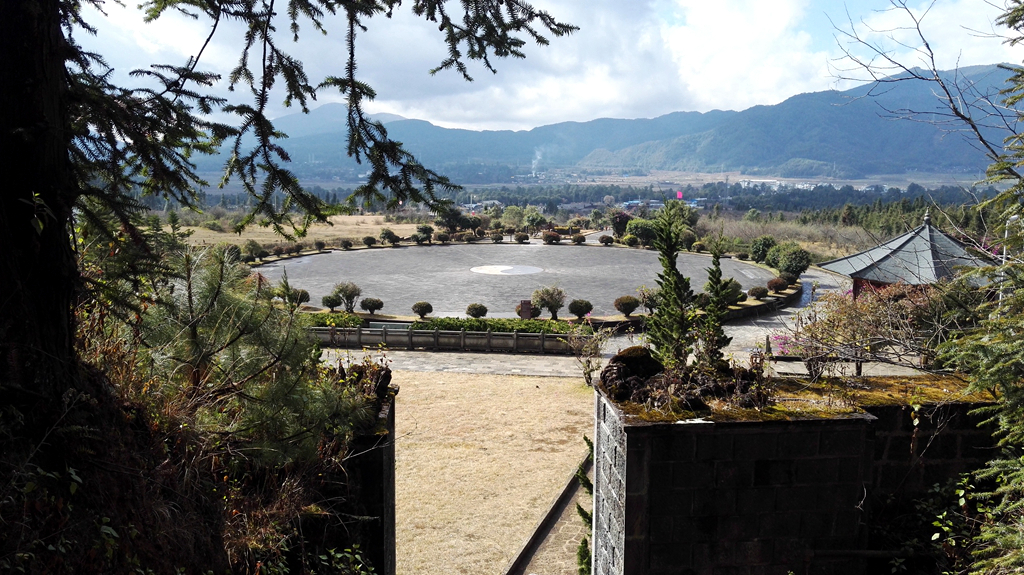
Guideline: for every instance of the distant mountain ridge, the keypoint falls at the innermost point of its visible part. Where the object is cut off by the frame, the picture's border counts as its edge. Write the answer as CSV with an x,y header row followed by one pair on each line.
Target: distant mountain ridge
x,y
831,133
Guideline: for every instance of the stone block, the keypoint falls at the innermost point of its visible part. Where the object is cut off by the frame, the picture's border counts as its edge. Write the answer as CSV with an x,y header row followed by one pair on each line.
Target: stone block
x,y
755,501
739,527
797,498
735,474
787,551
976,445
660,476
719,502
753,446
814,525
670,558
693,475
899,448
777,472
636,516
754,552
696,529
850,469
815,471
778,525
712,446
845,442
671,503
800,444
663,529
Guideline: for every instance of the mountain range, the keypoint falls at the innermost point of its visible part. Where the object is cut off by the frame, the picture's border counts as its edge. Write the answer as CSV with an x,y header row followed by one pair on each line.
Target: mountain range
x,y
845,134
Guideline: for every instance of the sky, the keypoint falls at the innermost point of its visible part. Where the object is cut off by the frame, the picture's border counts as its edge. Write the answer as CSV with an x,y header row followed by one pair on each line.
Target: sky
x,y
630,58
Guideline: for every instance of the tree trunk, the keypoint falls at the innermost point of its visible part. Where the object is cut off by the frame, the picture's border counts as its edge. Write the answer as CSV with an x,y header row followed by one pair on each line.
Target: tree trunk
x,y
38,272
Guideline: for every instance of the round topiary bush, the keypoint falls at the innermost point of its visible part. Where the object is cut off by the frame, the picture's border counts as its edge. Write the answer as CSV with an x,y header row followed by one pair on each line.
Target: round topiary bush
x,y
470,237
687,238
371,304
421,308
550,237
319,245
606,240
777,285
630,240
522,238
443,237
790,278
368,241
580,308
698,247
579,239
346,244
758,292
497,238
627,304
742,256
278,251
331,301
476,310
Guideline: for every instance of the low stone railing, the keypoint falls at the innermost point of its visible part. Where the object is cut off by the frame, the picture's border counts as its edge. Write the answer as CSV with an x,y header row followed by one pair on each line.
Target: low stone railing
x,y
439,340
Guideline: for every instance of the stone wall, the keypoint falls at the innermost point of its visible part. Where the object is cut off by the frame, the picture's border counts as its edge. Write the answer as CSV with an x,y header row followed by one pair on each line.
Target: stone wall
x,y
762,497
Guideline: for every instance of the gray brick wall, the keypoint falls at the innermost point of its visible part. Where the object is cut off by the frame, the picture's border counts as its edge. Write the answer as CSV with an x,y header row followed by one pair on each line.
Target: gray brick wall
x,y
609,488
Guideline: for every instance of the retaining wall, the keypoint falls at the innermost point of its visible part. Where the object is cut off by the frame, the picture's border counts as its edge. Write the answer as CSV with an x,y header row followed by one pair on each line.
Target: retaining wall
x,y
762,497
361,337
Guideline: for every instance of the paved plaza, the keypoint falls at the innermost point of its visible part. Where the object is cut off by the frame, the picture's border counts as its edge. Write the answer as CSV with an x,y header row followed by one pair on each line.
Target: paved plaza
x,y
498,276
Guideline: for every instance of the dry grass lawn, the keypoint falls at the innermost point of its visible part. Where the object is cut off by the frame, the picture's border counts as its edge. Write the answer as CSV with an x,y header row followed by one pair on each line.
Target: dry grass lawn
x,y
479,459
352,227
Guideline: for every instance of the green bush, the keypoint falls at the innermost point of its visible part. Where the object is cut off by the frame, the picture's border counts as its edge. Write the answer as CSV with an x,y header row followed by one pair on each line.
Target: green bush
x,y
422,308
758,292
698,247
371,304
470,237
419,238
733,292
389,237
319,245
346,244
687,239
630,240
790,278
522,238
496,325
788,257
332,320
627,304
476,310
263,254
742,256
579,239
759,249
497,238
580,308
606,240
369,241
777,285
442,237
348,292
331,301
278,250
550,237
642,229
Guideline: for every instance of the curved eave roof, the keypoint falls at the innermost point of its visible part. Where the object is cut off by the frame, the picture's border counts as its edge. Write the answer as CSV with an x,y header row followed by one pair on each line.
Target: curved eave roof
x,y
919,257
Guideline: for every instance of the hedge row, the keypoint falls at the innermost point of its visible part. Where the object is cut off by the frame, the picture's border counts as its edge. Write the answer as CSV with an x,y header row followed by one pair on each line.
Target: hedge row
x,y
496,325
339,319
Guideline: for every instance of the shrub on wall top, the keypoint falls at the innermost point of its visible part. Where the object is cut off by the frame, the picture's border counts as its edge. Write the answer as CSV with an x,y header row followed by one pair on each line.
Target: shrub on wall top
x,y
371,304
627,304
476,310
422,308
497,325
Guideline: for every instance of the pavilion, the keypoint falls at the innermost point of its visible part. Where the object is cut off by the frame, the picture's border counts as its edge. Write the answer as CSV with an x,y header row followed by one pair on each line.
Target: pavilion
x,y
922,256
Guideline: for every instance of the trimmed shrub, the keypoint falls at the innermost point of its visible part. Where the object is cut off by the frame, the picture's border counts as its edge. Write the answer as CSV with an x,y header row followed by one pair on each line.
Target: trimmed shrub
x,y
788,257
346,244
550,237
606,240
759,249
248,259
469,237
422,308
580,308
278,251
497,238
348,292
630,240
778,285
790,278
509,231
758,292
551,298
319,245
369,241
534,311
443,237
642,229
263,254
579,239
419,238
742,256
698,247
687,239
371,304
476,310
389,237
733,292
522,238
331,301
701,300
627,304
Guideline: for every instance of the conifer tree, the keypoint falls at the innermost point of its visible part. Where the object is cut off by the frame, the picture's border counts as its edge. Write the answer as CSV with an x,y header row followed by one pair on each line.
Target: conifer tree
x,y
670,329
712,339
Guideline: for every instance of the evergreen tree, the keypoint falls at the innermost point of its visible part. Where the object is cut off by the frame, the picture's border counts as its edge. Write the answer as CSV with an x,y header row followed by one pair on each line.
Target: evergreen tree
x,y
711,338
670,329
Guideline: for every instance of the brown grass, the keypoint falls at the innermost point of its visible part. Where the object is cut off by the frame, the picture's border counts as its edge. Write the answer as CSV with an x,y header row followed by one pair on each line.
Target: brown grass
x,y
479,459
351,227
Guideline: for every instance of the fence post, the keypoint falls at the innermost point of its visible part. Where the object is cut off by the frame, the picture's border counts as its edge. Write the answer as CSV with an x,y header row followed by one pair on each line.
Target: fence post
x,y
488,340
359,337
542,342
436,334
515,340
410,338
462,339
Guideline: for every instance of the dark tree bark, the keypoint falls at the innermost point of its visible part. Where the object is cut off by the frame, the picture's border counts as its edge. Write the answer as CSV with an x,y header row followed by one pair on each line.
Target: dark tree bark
x,y
38,273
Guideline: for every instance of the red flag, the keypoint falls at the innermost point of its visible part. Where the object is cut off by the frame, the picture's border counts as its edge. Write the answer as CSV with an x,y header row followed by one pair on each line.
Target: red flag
x,y
679,195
